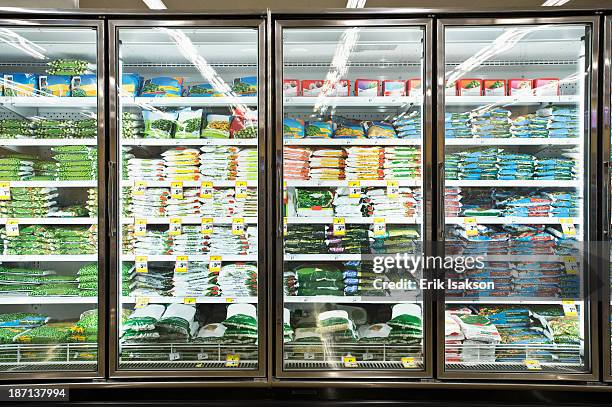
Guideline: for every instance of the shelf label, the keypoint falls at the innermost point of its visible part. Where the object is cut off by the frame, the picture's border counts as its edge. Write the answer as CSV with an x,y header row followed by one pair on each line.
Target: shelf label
x,y
202,356
189,301
176,189
230,300
207,226
569,308
567,226
141,302
408,363
215,264
309,356
285,227
241,189
349,361
354,188
174,356
571,265
176,227
339,227
5,191
232,360
533,364
139,188
380,227
12,227
238,226
181,264
142,265
206,190
392,189
140,227
471,227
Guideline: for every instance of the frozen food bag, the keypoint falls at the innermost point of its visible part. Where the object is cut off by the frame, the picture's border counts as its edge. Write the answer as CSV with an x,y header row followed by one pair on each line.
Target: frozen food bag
x,y
162,86
245,86
158,124
318,130
202,90
20,84
54,85
130,84
293,128
292,87
189,124
217,126
84,85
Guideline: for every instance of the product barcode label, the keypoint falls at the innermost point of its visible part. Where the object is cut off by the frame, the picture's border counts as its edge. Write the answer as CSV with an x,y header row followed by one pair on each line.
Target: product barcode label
x,y
189,301
140,227
12,227
408,363
139,188
232,360
5,191
349,361
238,226
339,227
206,190
142,264
176,190
354,188
141,302
471,227
533,364
241,189
392,189
181,264
207,226
380,227
215,264
176,227
567,226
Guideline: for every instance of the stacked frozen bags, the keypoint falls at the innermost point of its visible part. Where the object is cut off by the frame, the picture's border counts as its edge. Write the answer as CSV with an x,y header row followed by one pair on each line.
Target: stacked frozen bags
x,y
555,169
336,326
41,282
563,122
379,204
228,163
515,166
245,161
152,203
451,166
328,164
401,162
452,202
364,163
43,240
557,204
181,164
132,125
156,323
189,205
30,203
494,123
453,339
529,126
191,241
76,162
406,324
92,202
144,169
477,164
296,163
198,281
456,125
238,280
225,204
15,129
154,242
396,239
224,242
156,282
408,126
17,167
54,128
480,335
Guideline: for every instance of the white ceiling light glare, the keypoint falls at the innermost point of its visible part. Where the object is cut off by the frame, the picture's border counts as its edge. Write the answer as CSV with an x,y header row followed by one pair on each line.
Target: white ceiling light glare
x,y
554,3
155,4
355,3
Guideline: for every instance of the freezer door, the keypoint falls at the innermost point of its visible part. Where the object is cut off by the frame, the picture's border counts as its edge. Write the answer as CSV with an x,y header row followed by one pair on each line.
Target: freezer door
x,y
516,130
52,229
352,134
606,142
189,279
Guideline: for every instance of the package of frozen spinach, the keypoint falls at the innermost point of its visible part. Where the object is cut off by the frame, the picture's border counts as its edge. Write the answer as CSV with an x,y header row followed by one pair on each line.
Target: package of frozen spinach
x,y
158,124
189,124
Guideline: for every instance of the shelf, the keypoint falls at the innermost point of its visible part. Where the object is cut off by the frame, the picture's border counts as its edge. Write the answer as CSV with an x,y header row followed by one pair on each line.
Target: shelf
x,y
187,184
50,142
515,258
509,100
365,101
189,142
26,300
325,257
189,101
357,220
49,101
513,141
366,256
506,300
189,220
508,220
191,257
49,257
529,183
351,142
344,183
53,184
53,221
199,300
335,299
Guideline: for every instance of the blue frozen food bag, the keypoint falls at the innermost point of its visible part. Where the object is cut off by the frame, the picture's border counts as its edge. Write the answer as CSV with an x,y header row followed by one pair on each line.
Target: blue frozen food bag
x,y
130,84
318,129
293,128
202,90
162,86
20,84
245,86
54,85
84,85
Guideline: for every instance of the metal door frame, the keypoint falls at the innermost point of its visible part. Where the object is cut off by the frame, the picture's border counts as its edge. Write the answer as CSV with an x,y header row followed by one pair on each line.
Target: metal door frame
x,y
114,156
98,25
590,191
277,185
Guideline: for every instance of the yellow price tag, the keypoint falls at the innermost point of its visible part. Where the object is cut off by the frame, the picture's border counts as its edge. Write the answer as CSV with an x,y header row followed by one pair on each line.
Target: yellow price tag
x,y
380,227
189,301
349,361
533,364
408,363
215,264
238,226
232,360
176,227
471,228
181,264
5,191
241,189
140,227
206,190
339,227
176,190
285,227
12,227
569,308
571,265
142,265
230,300
567,226
139,188
392,189
354,188
141,302
207,226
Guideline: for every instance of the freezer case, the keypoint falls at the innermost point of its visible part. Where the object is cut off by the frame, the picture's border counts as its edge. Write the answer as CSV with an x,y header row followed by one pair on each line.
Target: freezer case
x,y
189,280
51,146
350,151
515,110
606,199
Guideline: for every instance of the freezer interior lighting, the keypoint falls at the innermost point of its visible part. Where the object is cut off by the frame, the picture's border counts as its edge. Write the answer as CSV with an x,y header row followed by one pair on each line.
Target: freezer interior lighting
x,y
554,3
155,4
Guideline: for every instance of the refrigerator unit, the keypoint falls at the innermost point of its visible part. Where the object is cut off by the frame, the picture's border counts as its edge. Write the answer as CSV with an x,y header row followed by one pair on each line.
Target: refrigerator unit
x,y
52,195
606,200
190,264
351,108
517,146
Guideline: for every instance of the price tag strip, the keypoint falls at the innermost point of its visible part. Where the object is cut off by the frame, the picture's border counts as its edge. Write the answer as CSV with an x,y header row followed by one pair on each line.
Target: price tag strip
x,y
141,302
176,190
238,226
354,188
339,227
471,227
176,227
408,363
5,191
392,189
12,227
214,265
232,360
569,308
189,301
206,190
567,226
181,264
139,188
142,265
349,361
241,189
207,226
571,264
140,227
380,227
533,364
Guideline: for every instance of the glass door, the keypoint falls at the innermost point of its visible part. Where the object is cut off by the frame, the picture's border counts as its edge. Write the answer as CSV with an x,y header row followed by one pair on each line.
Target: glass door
x,y
516,131
351,128
606,200
189,279
51,147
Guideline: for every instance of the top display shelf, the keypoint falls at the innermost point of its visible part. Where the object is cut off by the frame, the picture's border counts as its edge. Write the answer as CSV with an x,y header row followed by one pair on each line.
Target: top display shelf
x,y
49,101
356,101
522,100
144,102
